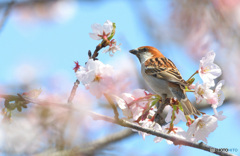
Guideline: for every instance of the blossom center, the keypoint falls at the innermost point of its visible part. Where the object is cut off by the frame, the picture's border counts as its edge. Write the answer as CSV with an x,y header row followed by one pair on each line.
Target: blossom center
x,y
200,91
201,124
97,78
204,70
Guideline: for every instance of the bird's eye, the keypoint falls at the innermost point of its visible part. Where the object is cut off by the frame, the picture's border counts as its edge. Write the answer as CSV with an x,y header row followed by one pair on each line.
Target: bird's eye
x,y
143,50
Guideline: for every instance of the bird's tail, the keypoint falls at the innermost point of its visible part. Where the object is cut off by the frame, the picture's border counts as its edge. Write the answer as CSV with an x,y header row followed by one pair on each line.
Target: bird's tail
x,y
179,92
188,108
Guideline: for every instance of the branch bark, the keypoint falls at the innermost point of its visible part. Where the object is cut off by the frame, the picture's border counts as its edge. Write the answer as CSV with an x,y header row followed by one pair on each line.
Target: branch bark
x,y
175,140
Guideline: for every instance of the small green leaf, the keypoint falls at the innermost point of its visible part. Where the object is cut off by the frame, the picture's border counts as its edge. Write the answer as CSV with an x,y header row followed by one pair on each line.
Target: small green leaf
x,y
113,32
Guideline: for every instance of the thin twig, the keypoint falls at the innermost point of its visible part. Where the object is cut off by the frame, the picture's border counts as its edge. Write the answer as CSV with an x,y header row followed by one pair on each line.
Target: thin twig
x,y
110,101
73,92
6,14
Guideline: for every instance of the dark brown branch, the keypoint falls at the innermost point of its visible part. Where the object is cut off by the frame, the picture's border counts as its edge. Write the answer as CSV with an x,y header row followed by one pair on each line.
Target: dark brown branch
x,y
99,47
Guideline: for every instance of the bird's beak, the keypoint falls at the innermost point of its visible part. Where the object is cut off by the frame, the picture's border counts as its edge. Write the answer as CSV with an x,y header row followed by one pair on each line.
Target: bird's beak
x,y
134,51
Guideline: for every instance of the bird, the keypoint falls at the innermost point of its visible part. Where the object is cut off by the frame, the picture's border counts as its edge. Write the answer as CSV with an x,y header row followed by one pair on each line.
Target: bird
x,y
163,77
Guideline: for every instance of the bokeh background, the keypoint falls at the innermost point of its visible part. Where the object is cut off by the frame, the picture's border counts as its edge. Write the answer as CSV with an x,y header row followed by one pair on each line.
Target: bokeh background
x,y
41,39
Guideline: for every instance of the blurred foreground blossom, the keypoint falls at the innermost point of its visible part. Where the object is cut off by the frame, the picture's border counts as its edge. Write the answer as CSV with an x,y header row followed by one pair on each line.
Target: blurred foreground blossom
x,y
21,136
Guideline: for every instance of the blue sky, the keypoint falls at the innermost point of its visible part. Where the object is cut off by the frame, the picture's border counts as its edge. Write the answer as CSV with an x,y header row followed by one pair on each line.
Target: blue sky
x,y
51,48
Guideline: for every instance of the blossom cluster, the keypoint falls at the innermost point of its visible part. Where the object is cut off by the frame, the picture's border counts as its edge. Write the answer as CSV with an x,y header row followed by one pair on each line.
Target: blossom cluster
x,y
140,106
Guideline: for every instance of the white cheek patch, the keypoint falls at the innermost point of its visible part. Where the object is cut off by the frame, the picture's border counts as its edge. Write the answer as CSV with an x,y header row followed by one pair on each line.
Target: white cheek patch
x,y
145,56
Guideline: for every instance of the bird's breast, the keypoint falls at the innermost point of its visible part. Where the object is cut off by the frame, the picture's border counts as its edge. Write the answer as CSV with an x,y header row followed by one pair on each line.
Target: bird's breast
x,y
159,86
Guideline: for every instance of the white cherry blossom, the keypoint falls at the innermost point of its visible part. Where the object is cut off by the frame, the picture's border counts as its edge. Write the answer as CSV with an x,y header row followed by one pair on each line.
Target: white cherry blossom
x,y
202,91
178,132
113,48
219,94
201,128
149,124
97,77
219,115
99,31
209,71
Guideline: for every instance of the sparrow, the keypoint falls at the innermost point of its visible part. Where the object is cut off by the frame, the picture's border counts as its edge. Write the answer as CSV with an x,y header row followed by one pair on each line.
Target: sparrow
x,y
163,77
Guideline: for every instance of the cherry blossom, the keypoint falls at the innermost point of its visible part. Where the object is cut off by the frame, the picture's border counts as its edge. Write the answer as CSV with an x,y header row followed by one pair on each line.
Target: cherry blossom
x,y
112,48
209,71
101,32
219,94
201,128
178,132
136,103
202,91
97,77
124,107
219,115
149,124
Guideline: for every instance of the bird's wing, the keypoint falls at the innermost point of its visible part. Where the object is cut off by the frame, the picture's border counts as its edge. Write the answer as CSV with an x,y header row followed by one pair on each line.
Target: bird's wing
x,y
164,68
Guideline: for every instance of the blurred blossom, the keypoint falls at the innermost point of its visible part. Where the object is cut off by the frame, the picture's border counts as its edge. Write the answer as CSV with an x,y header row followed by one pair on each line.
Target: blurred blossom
x,y
21,136
58,11
206,25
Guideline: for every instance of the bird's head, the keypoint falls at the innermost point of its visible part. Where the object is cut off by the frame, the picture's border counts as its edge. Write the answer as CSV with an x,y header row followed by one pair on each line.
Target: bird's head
x,y
146,52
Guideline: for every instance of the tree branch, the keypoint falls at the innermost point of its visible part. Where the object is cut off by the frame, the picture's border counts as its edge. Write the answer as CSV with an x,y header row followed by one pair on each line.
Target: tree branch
x,y
124,123
175,140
